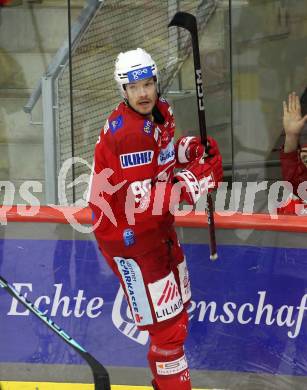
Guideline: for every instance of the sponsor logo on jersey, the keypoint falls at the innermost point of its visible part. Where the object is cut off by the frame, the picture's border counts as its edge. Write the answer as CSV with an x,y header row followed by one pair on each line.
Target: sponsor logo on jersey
x,y
170,291
130,160
116,124
172,367
148,126
139,74
166,299
167,154
134,284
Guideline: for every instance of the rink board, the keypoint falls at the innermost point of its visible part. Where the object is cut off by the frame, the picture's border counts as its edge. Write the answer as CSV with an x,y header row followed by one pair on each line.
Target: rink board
x,y
9,385
247,313
62,386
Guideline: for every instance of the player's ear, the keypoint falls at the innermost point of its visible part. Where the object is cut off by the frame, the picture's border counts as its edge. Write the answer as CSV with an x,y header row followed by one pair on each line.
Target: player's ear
x,y
125,95
157,85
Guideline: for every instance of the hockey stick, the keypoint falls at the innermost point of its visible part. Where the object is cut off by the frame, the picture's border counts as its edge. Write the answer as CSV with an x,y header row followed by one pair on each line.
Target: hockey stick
x,y
188,21
100,374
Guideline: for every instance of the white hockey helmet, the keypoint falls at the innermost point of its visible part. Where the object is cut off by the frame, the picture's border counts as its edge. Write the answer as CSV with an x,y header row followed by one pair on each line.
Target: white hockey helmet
x,y
134,65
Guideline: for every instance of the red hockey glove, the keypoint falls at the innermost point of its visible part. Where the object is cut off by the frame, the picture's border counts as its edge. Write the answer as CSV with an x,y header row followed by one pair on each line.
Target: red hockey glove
x,y
200,176
212,147
190,148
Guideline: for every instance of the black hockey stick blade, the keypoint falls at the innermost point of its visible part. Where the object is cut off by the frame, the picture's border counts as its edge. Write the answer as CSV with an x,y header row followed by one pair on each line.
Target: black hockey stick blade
x,y
184,20
100,374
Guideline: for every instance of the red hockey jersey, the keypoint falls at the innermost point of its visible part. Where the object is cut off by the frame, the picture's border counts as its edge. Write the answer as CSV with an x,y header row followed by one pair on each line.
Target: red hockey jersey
x,y
295,172
131,187
293,169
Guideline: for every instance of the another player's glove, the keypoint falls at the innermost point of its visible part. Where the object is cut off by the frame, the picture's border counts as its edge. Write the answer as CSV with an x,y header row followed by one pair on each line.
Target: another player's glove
x,y
200,176
294,205
190,148
3,3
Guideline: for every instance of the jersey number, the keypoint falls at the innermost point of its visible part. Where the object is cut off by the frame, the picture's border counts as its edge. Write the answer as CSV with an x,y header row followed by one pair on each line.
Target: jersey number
x,y
140,189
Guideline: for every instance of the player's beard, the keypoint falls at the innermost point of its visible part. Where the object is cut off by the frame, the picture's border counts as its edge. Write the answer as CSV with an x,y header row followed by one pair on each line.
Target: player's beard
x,y
135,107
145,111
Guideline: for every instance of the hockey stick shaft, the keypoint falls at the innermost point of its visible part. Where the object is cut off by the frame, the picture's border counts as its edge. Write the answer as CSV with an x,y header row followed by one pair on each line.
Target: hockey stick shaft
x,y
188,21
100,374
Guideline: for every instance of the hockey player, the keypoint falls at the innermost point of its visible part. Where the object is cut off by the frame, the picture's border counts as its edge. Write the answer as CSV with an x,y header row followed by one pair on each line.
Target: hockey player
x,y
134,189
293,156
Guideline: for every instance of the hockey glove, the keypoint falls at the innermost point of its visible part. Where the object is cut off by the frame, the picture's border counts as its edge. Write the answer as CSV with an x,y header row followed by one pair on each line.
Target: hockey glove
x,y
200,176
190,148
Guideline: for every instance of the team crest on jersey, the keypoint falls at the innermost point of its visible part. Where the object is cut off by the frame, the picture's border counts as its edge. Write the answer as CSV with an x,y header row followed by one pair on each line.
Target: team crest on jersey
x,y
116,124
130,160
129,237
148,126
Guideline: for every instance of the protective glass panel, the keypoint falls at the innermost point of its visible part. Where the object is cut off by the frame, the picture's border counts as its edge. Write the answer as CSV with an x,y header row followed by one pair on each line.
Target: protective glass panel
x,y
268,62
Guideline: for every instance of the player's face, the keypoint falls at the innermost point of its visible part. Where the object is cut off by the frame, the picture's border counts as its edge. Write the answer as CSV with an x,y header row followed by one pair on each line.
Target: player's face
x,y
142,95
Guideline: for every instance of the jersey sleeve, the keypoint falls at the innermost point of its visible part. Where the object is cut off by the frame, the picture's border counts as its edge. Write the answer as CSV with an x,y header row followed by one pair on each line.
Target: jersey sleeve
x,y
103,183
